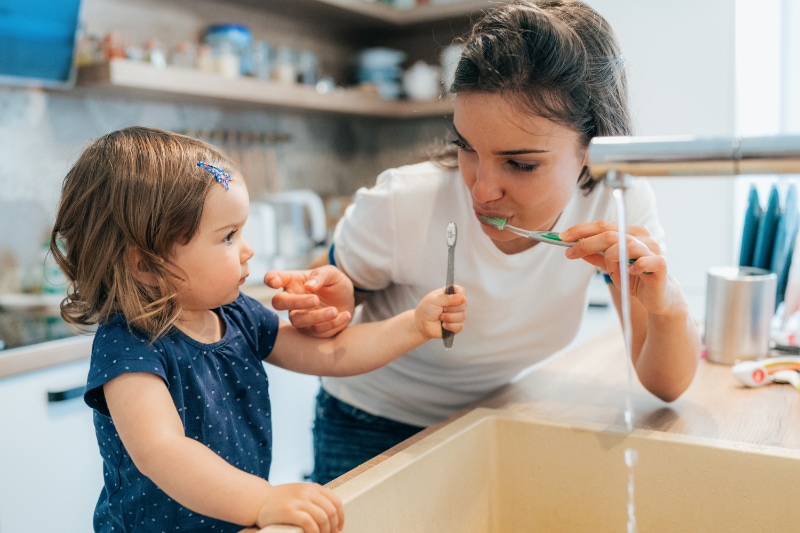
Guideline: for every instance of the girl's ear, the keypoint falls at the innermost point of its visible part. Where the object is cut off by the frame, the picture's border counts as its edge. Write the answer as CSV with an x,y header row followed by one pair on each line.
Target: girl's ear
x,y
138,267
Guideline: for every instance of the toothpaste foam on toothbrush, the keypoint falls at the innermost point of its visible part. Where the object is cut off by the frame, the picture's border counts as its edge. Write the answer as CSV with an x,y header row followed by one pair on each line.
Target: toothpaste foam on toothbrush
x,y
497,222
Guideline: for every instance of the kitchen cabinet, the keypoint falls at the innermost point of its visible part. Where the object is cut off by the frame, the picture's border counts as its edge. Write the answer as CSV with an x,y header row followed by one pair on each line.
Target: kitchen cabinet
x,y
50,469
339,28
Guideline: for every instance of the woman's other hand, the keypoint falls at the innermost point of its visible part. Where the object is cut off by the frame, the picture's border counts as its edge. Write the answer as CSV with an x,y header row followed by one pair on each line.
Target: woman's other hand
x,y
320,301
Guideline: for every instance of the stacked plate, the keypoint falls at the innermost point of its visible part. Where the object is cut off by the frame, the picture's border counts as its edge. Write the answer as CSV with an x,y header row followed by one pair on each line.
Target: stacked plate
x,y
381,67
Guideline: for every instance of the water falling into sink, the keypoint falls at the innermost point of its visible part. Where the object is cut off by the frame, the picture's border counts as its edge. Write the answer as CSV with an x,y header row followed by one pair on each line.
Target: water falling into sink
x,y
618,182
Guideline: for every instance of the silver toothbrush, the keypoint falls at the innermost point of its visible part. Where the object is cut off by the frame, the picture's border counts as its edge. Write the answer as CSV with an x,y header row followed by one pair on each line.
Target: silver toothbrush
x,y
447,336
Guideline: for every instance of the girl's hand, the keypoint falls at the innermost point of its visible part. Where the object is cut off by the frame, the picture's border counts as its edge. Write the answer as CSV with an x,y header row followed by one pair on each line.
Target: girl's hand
x,y
598,244
310,506
438,310
320,301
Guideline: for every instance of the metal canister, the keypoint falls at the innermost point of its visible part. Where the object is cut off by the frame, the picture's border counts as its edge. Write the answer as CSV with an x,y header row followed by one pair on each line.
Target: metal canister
x,y
740,305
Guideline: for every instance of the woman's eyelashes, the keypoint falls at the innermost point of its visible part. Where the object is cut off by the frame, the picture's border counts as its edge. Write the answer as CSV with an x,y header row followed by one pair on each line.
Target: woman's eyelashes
x,y
516,166
461,145
522,167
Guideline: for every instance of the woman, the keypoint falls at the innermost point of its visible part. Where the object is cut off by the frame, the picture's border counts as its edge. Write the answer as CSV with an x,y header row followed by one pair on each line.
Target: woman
x,y
535,83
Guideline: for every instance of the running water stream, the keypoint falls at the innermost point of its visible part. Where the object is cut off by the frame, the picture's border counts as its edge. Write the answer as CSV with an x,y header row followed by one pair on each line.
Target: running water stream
x,y
617,181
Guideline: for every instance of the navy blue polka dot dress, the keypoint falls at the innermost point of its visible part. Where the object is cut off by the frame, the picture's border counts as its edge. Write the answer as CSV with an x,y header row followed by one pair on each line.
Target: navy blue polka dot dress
x,y
221,393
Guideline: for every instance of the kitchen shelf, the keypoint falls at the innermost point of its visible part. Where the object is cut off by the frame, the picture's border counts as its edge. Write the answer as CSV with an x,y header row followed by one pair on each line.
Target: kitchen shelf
x,y
402,17
121,77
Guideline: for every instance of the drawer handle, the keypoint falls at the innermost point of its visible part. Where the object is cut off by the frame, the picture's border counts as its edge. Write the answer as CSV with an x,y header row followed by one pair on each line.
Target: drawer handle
x,y
64,395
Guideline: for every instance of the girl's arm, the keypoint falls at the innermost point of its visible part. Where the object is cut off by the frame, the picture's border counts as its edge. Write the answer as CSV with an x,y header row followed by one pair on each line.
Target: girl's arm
x,y
199,479
368,346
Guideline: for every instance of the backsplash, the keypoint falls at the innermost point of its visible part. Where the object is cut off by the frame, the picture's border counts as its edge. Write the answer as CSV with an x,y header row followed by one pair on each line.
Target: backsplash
x,y
42,133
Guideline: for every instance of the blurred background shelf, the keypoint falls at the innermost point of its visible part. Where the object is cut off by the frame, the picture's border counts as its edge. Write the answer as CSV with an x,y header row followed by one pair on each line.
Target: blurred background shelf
x,y
415,15
121,77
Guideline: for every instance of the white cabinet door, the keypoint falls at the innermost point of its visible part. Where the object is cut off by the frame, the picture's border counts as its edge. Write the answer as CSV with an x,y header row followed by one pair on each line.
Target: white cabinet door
x,y
50,468
293,397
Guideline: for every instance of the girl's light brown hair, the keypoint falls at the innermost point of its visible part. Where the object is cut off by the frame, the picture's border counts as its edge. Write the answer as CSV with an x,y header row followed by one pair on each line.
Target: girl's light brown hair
x,y
132,196
558,59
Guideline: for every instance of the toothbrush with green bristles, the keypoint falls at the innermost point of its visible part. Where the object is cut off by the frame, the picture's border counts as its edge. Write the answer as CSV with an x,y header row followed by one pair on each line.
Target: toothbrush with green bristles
x,y
541,236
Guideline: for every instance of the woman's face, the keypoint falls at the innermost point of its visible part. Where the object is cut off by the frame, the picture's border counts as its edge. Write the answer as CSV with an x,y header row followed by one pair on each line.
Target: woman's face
x,y
519,167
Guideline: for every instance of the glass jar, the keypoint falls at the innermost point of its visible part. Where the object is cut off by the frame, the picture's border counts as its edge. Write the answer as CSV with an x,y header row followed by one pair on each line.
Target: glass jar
x,y
230,39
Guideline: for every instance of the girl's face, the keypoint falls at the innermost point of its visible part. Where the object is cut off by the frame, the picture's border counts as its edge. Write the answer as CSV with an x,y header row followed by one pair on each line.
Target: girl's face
x,y
215,260
519,167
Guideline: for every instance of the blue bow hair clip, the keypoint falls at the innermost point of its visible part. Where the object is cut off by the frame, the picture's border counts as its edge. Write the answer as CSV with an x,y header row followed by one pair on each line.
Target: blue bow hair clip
x,y
220,175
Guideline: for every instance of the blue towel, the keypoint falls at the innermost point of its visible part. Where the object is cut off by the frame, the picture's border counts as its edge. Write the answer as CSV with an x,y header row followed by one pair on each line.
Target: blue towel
x,y
762,254
752,219
784,242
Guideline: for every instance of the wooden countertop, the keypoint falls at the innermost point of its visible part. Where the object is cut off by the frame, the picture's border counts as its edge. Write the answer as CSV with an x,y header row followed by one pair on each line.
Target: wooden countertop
x,y
588,383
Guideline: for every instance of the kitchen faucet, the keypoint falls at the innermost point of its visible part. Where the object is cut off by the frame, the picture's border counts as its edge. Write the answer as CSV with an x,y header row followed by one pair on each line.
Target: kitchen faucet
x,y
692,156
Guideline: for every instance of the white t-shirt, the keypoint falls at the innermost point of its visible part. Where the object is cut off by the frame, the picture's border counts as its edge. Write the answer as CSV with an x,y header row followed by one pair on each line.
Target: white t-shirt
x,y
522,307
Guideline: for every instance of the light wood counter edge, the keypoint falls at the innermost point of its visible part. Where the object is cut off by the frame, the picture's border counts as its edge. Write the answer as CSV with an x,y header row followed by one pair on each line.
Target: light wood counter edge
x,y
15,361
44,355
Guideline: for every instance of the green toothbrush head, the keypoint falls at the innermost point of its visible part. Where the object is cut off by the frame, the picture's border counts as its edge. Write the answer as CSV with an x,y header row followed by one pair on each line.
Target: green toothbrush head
x,y
497,222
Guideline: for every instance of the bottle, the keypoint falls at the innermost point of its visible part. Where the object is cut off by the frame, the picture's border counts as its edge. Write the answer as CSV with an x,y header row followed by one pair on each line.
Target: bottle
x,y
307,65
154,53
204,61
261,56
226,60
184,55
284,70
112,47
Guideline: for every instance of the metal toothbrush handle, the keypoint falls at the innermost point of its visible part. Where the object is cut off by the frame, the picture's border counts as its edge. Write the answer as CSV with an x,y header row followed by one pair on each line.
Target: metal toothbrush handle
x,y
447,336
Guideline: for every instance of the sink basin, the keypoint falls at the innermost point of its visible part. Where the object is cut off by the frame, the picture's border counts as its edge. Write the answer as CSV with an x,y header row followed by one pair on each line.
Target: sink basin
x,y
495,471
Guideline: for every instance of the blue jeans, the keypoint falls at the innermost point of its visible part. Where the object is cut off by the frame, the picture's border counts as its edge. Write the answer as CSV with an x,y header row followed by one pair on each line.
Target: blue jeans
x,y
345,437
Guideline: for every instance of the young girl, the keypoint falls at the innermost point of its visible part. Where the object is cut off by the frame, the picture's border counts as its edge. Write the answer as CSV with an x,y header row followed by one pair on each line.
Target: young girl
x,y
151,223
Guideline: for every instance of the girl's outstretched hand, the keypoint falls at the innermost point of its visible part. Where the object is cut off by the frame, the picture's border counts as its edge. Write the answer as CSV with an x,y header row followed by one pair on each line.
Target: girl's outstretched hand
x,y
320,301
314,508
438,310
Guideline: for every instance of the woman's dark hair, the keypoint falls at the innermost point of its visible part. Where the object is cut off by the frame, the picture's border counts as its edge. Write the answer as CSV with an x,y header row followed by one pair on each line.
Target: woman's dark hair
x,y
558,59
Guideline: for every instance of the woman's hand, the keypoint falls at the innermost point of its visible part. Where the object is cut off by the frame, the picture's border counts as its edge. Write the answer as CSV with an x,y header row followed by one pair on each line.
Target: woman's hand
x,y
314,508
598,244
665,343
320,301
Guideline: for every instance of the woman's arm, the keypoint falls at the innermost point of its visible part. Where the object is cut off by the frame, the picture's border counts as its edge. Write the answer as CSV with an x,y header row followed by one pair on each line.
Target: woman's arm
x,y
665,343
195,476
665,347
